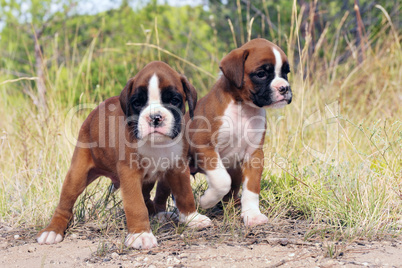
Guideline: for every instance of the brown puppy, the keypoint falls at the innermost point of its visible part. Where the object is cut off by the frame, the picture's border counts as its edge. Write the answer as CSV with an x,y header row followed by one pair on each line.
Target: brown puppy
x,y
134,139
227,132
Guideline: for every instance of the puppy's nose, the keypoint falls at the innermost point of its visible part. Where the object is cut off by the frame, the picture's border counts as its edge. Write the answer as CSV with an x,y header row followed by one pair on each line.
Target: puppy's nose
x,y
283,89
155,119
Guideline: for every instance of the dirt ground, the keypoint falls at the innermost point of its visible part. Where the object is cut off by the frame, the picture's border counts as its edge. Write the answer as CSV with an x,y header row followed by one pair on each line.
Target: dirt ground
x,y
273,245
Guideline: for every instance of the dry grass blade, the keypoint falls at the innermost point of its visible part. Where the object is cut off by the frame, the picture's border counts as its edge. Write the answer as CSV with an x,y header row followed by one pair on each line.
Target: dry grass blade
x,y
18,79
173,55
394,31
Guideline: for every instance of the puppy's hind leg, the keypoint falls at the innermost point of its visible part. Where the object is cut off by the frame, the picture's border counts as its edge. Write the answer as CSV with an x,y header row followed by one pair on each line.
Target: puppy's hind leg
x,y
179,182
163,192
157,207
146,193
236,176
75,182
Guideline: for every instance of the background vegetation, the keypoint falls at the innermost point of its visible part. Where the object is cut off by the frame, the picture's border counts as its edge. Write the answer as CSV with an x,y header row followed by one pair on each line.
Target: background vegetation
x,y
334,156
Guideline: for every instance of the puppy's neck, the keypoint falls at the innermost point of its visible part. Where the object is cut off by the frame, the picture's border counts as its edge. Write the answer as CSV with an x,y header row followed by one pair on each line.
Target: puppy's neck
x,y
226,88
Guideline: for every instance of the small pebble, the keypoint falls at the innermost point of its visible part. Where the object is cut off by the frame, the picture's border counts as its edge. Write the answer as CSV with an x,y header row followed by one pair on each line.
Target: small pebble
x,y
7,229
115,255
31,249
16,236
284,241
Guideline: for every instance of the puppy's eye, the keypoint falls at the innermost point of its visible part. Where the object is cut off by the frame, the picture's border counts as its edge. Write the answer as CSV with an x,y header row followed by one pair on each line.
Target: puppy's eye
x,y
175,101
137,103
261,74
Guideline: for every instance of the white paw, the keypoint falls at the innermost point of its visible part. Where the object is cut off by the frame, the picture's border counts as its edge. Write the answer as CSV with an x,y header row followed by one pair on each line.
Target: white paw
x,y
252,218
49,238
145,240
195,220
163,217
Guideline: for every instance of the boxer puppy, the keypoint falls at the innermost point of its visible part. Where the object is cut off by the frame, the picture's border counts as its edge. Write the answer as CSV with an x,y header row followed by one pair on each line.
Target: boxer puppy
x,y
227,133
134,139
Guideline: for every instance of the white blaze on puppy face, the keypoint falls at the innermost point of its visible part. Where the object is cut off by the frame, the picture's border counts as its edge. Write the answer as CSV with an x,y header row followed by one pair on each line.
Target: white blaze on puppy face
x,y
278,62
154,96
278,80
153,107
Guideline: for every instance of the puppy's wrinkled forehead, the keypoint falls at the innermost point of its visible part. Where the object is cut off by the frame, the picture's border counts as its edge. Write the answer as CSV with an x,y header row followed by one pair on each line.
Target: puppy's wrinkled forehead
x,y
263,52
158,76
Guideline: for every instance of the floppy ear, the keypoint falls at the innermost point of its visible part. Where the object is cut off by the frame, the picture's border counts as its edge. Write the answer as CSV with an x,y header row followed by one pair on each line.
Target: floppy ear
x,y
191,95
124,96
232,66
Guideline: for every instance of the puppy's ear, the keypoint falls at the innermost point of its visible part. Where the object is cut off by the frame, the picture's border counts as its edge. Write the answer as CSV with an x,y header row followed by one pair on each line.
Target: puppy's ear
x,y
124,96
191,95
232,66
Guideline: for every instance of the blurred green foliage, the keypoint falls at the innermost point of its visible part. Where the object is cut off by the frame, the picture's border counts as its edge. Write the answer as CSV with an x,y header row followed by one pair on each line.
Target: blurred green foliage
x,y
88,52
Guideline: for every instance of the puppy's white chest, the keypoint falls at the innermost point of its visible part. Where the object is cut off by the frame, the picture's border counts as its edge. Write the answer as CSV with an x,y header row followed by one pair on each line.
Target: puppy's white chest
x,y
241,132
155,158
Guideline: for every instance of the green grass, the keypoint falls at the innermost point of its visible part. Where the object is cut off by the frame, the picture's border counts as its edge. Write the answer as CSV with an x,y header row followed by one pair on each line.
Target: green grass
x,y
342,175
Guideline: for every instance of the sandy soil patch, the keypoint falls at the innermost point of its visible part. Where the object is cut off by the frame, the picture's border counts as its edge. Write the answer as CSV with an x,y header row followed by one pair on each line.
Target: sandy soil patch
x,y
260,247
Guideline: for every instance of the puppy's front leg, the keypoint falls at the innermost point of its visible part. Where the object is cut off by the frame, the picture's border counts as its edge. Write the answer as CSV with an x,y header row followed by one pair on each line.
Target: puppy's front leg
x,y
76,180
219,181
252,171
139,230
179,182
